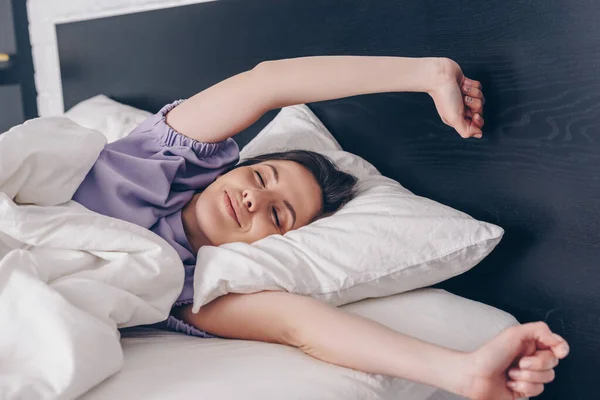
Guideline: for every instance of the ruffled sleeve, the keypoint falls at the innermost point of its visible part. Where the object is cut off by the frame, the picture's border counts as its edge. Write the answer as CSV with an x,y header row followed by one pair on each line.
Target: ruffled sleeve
x,y
169,137
153,172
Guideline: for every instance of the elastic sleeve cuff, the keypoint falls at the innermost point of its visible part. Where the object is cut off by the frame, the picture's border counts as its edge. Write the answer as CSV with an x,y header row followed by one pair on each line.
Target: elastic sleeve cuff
x,y
170,137
178,325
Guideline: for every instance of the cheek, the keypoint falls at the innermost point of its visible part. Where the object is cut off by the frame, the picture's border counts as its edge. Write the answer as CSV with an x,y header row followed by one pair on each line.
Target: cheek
x,y
260,230
209,206
209,217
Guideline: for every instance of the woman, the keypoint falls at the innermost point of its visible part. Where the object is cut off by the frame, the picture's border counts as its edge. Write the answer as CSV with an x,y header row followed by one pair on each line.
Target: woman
x,y
175,174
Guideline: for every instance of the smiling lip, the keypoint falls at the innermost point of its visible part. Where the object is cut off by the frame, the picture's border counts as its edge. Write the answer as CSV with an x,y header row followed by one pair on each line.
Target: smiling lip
x,y
231,209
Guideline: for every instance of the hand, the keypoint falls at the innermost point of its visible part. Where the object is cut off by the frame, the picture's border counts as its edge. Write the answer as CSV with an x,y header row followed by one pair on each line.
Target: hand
x,y
515,364
458,99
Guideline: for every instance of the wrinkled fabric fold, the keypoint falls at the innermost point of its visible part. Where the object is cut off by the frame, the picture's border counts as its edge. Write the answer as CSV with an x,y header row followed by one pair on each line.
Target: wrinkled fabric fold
x,y
69,277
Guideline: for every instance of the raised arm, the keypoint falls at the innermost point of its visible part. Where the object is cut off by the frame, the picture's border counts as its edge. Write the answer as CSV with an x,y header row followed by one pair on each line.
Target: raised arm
x,y
334,336
230,106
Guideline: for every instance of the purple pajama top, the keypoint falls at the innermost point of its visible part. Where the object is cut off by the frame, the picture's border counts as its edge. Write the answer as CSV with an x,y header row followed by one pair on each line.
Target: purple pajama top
x,y
147,178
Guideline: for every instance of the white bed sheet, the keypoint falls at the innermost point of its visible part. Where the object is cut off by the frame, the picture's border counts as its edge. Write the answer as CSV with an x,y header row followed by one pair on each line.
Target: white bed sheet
x,y
163,365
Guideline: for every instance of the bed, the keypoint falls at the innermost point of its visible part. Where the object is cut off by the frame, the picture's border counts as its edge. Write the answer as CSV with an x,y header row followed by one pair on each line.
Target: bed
x,y
536,172
160,365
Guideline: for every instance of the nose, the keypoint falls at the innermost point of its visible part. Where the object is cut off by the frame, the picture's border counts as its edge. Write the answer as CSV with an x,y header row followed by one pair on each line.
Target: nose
x,y
254,199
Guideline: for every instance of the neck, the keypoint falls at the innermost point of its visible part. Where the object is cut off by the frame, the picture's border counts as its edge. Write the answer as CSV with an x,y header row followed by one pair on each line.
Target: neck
x,y
192,231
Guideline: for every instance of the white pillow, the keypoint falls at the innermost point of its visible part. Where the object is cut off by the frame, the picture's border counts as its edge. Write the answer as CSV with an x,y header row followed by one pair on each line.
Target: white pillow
x,y
384,241
115,120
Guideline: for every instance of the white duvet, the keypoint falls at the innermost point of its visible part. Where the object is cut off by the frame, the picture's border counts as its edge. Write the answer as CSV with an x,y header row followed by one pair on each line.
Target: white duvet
x,y
69,277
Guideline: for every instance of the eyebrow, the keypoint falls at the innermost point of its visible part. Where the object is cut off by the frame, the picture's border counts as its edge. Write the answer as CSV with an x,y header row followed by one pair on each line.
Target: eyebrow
x,y
287,204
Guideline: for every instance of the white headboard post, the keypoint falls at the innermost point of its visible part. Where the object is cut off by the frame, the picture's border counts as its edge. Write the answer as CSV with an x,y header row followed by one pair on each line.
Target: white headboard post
x,y
45,14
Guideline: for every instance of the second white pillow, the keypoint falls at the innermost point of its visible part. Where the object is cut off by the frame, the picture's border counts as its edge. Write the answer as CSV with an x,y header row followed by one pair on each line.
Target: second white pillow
x,y
113,119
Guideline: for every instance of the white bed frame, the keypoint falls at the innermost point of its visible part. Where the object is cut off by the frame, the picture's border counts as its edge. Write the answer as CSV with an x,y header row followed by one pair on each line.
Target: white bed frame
x,y
43,17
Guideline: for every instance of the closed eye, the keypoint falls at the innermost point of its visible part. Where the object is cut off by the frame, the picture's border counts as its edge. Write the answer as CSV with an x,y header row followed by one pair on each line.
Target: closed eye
x,y
276,218
262,182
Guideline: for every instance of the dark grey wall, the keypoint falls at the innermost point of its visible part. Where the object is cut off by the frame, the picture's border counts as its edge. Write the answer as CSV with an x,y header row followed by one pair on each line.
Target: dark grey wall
x,y
17,87
10,95
11,109
7,36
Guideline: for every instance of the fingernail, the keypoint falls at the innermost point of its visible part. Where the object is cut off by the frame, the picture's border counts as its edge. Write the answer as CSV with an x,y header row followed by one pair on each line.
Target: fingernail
x,y
478,136
467,89
525,364
511,384
468,99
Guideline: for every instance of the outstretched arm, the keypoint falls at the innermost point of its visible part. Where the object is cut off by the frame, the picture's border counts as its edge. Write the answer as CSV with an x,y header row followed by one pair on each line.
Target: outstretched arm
x,y
230,106
334,336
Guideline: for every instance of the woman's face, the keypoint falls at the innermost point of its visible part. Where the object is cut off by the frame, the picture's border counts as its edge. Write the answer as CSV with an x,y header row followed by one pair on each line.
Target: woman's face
x,y
250,203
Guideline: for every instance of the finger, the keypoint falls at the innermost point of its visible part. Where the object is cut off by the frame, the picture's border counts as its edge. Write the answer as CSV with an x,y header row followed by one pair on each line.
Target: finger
x,y
526,389
479,120
561,347
472,83
476,118
466,128
474,130
473,92
544,338
540,361
476,105
527,375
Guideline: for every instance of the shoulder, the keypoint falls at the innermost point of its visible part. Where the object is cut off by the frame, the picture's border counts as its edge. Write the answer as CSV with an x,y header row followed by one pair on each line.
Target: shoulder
x,y
157,128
